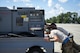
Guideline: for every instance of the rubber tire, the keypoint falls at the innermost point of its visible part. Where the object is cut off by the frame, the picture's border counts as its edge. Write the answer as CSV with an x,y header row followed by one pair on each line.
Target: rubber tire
x,y
32,50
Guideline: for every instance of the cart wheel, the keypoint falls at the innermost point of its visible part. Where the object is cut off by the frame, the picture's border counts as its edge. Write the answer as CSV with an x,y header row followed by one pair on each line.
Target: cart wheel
x,y
35,50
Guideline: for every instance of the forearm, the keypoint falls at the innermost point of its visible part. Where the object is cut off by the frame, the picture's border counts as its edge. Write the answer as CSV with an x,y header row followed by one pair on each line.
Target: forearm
x,y
54,39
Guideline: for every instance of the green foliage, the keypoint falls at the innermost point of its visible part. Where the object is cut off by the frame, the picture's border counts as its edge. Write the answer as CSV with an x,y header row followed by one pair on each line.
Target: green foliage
x,y
78,20
69,17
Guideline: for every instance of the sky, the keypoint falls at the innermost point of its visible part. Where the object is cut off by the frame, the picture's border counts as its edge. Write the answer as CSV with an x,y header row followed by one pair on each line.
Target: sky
x,y
51,7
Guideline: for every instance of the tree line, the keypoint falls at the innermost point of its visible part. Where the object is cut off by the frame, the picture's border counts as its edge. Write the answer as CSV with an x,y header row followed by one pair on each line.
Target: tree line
x,y
69,17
